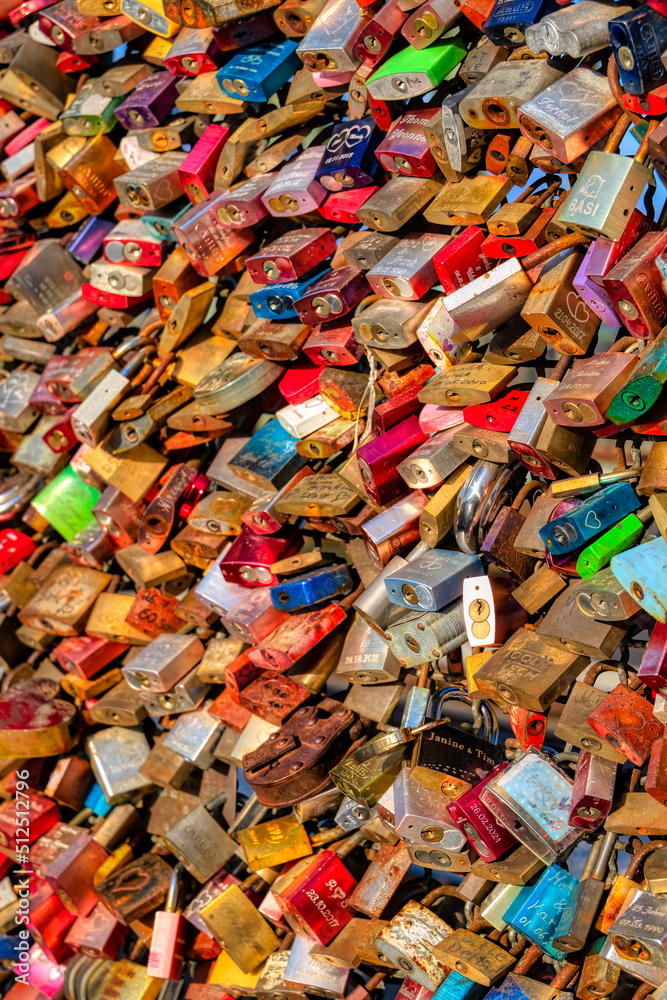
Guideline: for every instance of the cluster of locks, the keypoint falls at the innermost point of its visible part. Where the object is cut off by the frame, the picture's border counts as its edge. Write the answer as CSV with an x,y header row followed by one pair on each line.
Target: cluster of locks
x,y
333,337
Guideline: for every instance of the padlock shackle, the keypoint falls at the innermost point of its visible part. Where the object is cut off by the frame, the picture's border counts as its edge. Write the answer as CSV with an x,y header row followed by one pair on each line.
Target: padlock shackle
x,y
347,846
642,152
551,249
552,189
481,708
369,300
565,975
532,487
617,91
607,845
171,904
531,955
594,671
561,366
151,327
616,135
328,836
640,855
531,189
622,344
129,345
435,894
158,371
137,360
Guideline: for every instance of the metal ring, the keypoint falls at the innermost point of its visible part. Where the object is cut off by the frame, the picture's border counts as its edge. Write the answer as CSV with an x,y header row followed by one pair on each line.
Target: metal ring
x,y
489,487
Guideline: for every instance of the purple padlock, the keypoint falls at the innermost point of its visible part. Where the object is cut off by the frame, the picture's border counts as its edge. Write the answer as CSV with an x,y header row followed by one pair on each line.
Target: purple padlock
x,y
595,297
149,103
86,244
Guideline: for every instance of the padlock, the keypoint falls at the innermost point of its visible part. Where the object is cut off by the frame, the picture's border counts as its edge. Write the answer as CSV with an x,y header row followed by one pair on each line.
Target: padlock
x,y
397,202
163,663
414,588
410,74
259,71
332,295
555,310
582,700
90,113
632,36
582,398
491,613
292,256
537,909
409,939
556,121
493,102
277,301
499,542
589,518
348,161
528,673
207,242
407,271
601,596
575,32
641,389
620,537
537,820
446,759
585,636
490,839
232,909
593,790
593,206
638,933
323,878
295,189
404,149
634,286
634,744
64,599
378,459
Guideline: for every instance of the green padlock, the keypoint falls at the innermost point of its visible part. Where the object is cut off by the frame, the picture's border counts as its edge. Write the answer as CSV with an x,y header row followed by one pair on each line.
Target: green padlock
x,y
639,394
412,72
617,539
67,503
367,781
90,113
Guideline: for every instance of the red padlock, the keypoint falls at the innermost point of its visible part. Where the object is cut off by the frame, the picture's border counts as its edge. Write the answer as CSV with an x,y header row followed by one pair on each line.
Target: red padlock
x,y
14,547
498,415
462,259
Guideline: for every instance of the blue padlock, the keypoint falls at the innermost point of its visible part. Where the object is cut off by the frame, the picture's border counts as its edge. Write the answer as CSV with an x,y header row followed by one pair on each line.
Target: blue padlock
x,y
514,987
95,800
8,947
349,160
277,301
160,222
312,588
256,73
599,512
536,911
269,459
458,987
642,572
638,38
506,24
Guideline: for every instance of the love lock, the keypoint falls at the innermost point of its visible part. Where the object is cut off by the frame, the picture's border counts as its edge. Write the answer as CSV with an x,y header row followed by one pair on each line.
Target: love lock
x,y
488,488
